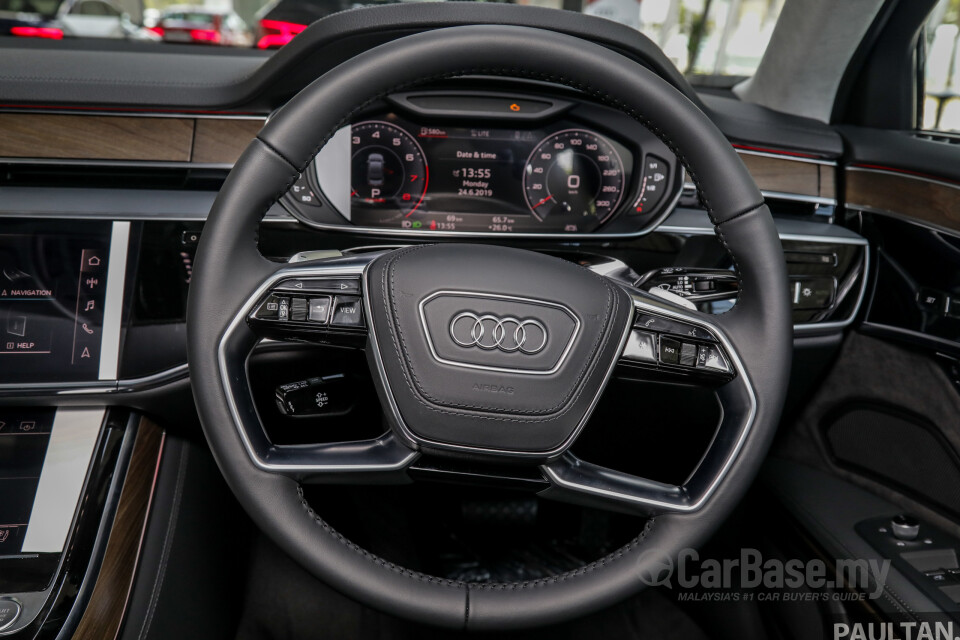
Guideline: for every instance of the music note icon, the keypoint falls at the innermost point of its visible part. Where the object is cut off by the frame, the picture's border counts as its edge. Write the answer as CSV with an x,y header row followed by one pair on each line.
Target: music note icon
x,y
90,305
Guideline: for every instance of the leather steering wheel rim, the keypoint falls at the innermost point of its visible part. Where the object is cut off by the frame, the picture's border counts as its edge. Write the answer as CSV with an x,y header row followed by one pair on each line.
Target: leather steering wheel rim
x,y
229,266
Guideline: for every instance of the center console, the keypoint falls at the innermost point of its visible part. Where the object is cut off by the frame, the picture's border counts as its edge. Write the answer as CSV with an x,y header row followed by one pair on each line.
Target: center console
x,y
62,287
47,488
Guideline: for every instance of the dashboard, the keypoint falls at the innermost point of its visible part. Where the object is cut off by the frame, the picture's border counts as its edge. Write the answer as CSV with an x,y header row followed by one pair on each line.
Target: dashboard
x,y
99,238
483,163
94,276
102,211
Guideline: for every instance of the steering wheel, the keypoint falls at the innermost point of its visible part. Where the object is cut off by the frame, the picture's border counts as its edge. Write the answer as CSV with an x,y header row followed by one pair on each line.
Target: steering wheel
x,y
489,353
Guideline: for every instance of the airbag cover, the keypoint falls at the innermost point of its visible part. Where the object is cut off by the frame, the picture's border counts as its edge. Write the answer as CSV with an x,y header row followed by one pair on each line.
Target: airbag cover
x,y
493,348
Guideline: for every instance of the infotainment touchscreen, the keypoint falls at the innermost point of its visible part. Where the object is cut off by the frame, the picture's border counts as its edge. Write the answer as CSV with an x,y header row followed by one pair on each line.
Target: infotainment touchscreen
x,y
54,280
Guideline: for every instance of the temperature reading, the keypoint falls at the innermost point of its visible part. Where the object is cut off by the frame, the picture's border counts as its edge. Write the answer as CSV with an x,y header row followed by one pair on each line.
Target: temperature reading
x,y
502,224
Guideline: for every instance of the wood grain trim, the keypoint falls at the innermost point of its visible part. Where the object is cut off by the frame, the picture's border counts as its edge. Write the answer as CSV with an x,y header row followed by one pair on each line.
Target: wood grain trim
x,y
32,135
142,139
783,175
929,201
104,613
828,182
222,141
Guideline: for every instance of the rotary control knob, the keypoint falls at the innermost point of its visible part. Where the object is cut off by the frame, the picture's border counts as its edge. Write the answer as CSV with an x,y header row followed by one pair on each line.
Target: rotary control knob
x,y
905,527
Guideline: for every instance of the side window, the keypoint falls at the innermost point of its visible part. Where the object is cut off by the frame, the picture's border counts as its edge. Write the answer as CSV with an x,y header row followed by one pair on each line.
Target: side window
x,y
941,103
707,39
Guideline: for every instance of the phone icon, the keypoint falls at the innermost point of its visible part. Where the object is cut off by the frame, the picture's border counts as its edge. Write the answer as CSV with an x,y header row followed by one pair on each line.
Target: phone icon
x,y
86,328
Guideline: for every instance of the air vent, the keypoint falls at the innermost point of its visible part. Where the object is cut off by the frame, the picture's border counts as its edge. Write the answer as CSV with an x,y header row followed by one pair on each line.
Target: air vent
x,y
798,208
938,136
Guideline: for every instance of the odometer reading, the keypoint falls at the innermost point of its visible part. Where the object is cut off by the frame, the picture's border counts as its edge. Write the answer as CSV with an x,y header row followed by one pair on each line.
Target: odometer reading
x,y
388,169
574,177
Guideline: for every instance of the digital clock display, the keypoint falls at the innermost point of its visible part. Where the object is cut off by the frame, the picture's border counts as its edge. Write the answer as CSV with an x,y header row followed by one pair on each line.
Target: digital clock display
x,y
477,171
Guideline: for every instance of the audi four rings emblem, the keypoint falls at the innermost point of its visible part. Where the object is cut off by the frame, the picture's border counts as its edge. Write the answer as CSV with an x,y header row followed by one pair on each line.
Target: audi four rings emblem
x,y
490,332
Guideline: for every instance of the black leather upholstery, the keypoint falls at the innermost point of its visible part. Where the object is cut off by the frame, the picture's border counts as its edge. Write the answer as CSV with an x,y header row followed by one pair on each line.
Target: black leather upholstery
x,y
228,268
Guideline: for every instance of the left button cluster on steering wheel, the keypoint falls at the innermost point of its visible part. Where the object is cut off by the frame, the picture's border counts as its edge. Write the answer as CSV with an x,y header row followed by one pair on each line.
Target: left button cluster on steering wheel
x,y
333,302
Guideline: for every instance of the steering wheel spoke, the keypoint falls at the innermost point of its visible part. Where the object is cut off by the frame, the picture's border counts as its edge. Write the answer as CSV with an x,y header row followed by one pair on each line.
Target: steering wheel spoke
x,y
382,460
669,344
317,302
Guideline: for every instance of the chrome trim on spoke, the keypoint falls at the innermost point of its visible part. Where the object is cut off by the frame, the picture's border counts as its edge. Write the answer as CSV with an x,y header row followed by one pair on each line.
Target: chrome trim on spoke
x,y
568,473
381,455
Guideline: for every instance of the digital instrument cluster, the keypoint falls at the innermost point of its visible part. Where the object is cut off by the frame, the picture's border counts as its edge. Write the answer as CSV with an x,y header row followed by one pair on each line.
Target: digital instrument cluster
x,y
490,174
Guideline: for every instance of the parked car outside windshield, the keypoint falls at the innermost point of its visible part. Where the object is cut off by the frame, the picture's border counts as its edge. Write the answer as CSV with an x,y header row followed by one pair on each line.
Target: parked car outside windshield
x,y
59,19
704,38
202,25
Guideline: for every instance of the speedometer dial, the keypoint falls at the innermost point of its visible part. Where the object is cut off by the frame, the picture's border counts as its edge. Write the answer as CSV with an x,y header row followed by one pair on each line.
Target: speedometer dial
x,y
574,177
388,169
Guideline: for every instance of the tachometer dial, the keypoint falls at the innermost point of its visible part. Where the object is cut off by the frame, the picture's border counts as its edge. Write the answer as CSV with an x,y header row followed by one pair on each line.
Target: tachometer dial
x,y
572,175
388,168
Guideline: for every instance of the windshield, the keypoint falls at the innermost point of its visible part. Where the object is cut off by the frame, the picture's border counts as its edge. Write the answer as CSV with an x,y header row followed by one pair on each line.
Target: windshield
x,y
722,39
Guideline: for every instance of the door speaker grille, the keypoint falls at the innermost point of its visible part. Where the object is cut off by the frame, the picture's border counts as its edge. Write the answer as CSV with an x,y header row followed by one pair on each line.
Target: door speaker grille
x,y
896,448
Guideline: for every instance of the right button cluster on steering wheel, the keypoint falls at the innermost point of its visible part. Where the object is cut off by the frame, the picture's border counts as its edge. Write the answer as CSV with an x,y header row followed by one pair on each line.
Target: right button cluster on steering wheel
x,y
679,346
